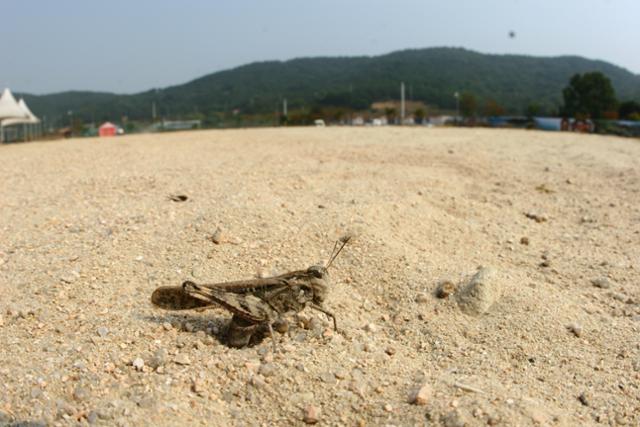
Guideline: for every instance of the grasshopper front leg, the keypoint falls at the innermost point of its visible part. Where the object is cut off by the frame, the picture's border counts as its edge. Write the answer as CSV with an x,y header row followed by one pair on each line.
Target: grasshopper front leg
x,y
328,313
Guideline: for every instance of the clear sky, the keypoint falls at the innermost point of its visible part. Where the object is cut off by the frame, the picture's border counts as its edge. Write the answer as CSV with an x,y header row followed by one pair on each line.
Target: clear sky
x,y
127,46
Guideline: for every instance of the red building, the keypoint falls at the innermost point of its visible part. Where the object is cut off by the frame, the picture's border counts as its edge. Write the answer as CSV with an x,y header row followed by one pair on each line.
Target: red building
x,y
107,129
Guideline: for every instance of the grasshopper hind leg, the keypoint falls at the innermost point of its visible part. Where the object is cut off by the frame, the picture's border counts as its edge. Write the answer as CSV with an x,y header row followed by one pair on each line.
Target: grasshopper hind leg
x,y
241,331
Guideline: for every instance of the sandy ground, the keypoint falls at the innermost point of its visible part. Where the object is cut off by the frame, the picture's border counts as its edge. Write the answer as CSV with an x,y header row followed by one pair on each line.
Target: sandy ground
x,y
87,232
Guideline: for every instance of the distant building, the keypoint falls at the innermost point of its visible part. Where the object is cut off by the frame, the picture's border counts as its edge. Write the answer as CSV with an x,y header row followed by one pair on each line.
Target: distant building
x,y
107,129
357,121
180,124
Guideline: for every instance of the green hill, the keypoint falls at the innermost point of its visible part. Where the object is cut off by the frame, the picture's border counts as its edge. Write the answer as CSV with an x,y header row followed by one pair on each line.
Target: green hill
x,y
431,75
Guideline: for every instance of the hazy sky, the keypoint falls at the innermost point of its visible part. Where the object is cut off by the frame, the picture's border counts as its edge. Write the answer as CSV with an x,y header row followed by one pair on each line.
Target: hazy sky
x,y
128,46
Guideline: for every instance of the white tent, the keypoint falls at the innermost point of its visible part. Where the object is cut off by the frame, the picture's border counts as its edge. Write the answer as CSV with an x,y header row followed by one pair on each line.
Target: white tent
x,y
9,109
29,117
27,122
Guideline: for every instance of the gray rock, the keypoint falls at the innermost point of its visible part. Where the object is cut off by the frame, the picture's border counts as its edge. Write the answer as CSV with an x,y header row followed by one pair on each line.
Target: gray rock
x,y
92,418
480,293
102,331
454,419
267,369
159,358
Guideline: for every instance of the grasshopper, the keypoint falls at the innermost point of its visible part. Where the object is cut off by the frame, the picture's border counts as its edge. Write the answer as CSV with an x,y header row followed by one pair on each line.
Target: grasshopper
x,y
255,302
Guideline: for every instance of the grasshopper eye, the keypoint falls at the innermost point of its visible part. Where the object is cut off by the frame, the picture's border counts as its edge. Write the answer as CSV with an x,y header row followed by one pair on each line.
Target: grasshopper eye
x,y
316,271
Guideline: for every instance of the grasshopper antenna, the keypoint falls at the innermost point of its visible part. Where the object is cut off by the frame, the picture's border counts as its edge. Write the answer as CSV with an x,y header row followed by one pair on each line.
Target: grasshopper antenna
x,y
336,250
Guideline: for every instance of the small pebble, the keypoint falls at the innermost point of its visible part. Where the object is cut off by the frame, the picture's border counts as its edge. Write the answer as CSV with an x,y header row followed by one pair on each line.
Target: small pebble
x,y
167,326
422,395
159,358
619,297
370,327
102,331
281,326
267,369
601,282
445,288
536,217
575,329
422,298
524,240
311,414
197,386
583,398
328,378
70,277
258,381
147,402
216,237
342,374
178,197
182,359
138,364
390,351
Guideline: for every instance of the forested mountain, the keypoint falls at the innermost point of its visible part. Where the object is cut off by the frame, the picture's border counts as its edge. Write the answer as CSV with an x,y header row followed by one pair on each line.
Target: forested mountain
x,y
431,75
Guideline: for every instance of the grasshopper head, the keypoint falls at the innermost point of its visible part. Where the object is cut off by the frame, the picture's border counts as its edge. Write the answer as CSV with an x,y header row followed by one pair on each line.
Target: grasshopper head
x,y
319,279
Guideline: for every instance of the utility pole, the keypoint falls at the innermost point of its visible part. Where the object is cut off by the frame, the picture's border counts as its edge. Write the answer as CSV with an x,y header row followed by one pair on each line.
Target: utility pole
x,y
457,96
153,111
284,107
402,110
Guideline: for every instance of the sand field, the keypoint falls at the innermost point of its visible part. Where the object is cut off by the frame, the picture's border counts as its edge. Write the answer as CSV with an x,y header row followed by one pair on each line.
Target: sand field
x,y
87,232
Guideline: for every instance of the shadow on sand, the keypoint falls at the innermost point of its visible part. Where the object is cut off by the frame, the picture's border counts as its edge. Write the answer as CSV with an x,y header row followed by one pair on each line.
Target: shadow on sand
x,y
214,326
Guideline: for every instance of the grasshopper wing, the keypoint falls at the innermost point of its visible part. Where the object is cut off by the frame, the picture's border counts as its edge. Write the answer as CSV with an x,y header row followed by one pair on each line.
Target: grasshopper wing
x,y
246,306
175,298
